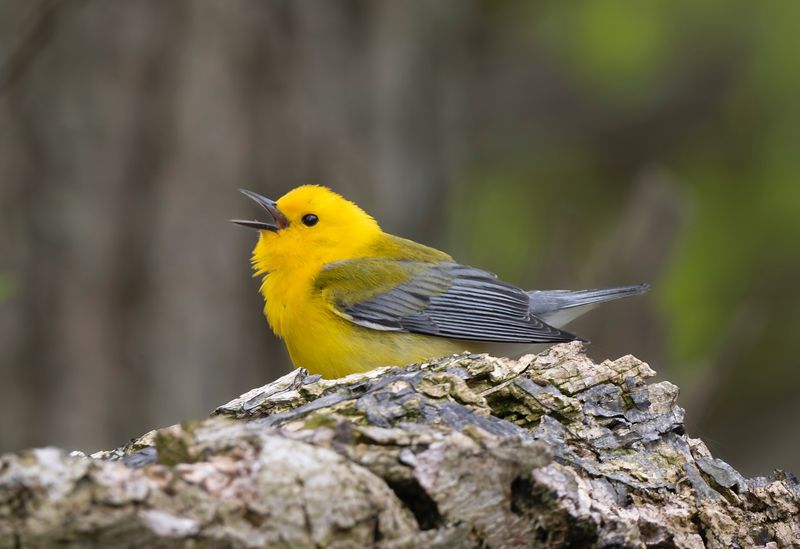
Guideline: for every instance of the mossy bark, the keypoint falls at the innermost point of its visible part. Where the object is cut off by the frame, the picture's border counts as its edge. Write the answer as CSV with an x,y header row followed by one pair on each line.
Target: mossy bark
x,y
465,451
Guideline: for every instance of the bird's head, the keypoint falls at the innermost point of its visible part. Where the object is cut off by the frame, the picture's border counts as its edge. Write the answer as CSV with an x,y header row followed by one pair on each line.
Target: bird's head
x,y
310,226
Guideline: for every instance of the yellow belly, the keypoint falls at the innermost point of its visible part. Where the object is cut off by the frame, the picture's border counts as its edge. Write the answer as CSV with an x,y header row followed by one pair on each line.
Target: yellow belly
x,y
325,343
338,348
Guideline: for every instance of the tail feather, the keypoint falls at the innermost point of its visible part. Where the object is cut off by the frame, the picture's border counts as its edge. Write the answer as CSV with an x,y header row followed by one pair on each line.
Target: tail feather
x,y
560,307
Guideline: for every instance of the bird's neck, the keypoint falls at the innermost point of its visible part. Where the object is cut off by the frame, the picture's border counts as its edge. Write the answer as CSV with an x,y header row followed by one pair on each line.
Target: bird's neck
x,y
288,278
285,293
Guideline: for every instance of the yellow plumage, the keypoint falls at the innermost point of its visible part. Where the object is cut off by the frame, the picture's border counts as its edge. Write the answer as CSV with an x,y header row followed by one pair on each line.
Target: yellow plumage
x,y
347,297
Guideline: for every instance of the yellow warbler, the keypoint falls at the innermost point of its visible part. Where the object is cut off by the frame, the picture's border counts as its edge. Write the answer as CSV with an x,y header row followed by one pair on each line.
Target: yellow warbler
x,y
347,297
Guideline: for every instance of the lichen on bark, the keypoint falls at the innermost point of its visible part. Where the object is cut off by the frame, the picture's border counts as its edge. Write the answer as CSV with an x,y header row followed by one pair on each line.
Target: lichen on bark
x,y
464,451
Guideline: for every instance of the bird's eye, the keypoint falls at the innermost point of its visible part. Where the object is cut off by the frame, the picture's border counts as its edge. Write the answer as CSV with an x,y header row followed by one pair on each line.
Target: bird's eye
x,y
309,220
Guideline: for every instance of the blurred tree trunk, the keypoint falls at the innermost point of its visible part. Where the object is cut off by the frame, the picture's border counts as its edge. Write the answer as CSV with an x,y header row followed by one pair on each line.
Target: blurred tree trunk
x,y
125,129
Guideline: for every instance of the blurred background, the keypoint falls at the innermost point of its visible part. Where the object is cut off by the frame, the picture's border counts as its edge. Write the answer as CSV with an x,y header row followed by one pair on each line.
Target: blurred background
x,y
558,144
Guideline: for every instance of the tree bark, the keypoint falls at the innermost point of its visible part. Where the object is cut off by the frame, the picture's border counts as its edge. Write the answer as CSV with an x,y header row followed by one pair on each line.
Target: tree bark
x,y
465,451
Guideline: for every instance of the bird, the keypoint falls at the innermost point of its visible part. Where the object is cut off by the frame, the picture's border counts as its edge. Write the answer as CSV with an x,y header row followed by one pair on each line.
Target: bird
x,y
347,297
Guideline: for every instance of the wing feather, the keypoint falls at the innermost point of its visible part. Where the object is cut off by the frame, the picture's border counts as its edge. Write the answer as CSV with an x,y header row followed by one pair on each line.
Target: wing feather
x,y
443,299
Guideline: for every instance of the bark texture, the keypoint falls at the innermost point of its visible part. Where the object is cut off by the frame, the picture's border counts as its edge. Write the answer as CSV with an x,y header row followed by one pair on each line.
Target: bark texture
x,y
466,451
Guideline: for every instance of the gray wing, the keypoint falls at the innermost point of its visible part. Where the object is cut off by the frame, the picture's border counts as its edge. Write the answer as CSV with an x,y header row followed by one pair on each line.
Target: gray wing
x,y
441,299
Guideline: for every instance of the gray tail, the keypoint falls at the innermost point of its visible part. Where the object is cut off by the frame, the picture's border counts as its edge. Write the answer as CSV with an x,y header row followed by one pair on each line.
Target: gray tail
x,y
560,307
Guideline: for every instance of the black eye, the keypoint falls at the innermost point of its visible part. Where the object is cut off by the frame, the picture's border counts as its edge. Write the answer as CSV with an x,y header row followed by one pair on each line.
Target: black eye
x,y
309,220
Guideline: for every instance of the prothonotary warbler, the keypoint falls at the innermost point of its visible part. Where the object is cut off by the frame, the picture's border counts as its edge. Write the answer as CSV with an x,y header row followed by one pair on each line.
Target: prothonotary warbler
x,y
347,297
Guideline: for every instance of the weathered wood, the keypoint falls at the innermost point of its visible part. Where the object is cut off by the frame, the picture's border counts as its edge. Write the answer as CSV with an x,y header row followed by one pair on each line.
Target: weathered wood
x,y
465,451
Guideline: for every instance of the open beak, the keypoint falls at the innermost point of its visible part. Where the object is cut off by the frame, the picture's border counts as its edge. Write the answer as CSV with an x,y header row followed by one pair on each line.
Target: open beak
x,y
280,221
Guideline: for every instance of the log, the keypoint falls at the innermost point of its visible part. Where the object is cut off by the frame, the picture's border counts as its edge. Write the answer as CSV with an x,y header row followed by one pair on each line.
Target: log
x,y
465,451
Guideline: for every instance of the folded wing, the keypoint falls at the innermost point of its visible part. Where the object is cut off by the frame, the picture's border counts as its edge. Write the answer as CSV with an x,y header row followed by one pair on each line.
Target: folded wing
x,y
441,299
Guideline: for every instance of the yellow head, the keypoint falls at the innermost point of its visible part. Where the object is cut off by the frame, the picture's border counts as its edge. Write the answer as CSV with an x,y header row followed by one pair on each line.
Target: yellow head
x,y
311,226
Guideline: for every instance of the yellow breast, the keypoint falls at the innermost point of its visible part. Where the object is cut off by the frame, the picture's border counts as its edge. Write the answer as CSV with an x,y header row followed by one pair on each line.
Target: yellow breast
x,y
327,344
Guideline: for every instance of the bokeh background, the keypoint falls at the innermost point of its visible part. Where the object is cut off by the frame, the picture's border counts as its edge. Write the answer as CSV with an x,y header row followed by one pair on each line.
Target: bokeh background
x,y
558,144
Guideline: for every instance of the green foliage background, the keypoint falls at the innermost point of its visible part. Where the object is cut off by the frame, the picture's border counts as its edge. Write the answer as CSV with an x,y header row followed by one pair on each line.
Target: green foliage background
x,y
707,94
